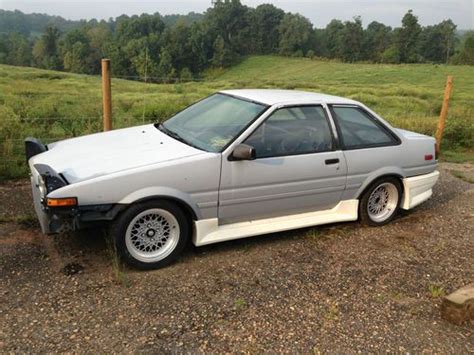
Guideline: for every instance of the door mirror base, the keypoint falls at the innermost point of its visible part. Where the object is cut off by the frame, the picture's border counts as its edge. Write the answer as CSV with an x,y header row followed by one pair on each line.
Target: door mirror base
x,y
243,152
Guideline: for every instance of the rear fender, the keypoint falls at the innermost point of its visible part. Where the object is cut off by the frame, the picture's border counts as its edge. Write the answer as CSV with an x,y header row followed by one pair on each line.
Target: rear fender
x,y
385,171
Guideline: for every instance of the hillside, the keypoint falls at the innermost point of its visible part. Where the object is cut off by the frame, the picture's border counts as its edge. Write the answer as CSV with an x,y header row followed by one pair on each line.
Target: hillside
x,y
54,105
397,92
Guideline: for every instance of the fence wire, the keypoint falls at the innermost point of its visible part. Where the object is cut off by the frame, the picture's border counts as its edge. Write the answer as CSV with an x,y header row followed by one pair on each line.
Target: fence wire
x,y
12,146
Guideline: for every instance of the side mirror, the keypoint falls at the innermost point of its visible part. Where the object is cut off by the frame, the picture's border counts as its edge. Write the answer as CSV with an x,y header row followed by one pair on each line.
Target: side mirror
x,y
243,152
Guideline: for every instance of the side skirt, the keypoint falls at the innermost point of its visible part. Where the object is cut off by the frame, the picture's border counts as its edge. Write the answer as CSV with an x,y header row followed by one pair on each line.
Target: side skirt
x,y
208,231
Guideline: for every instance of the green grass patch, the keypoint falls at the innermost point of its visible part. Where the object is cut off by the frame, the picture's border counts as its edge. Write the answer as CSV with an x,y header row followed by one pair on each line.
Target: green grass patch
x,y
26,221
458,156
462,176
436,291
240,304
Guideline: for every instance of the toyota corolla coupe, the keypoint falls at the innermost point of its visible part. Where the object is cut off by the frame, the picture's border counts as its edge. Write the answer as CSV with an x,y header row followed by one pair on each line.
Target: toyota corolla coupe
x,y
236,164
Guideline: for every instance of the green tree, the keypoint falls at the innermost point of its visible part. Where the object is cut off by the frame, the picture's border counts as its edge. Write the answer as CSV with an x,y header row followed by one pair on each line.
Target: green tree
x,y
202,46
165,68
186,74
437,42
229,19
177,41
295,34
223,56
391,55
466,55
408,38
15,49
46,51
334,39
265,35
136,27
377,38
99,36
3,48
352,37
75,51
145,66
448,32
75,58
121,64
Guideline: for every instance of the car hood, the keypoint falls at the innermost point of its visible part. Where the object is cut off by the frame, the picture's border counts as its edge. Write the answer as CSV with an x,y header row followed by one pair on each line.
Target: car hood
x,y
95,155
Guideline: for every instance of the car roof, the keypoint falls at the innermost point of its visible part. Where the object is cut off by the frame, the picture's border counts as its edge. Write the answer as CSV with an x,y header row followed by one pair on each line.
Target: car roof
x,y
274,97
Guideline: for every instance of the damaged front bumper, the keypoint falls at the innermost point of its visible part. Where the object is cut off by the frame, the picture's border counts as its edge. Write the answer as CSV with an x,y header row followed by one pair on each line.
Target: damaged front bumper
x,y
62,219
51,220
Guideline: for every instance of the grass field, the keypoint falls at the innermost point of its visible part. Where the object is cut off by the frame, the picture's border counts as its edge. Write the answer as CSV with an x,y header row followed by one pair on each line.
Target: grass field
x,y
53,105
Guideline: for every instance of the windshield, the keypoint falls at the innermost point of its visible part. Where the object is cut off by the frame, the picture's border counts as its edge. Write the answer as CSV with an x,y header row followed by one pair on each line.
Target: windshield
x,y
212,123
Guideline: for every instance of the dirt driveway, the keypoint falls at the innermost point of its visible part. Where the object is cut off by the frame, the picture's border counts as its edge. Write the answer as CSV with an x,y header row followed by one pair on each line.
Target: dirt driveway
x,y
339,288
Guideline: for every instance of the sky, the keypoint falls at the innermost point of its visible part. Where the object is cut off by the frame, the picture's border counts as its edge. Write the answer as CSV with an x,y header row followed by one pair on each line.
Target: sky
x,y
320,12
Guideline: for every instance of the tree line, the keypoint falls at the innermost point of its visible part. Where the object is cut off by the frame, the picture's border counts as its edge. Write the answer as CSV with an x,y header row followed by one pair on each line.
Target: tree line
x,y
172,46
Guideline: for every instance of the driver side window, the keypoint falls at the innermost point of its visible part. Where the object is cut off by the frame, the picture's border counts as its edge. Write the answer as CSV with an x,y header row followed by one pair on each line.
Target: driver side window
x,y
291,131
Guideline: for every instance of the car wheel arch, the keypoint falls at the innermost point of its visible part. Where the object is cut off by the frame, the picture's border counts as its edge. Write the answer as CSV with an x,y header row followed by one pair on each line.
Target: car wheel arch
x,y
184,206
369,181
182,199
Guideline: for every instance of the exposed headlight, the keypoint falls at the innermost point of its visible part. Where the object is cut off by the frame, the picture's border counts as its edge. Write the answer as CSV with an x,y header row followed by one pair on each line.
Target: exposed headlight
x,y
48,179
42,187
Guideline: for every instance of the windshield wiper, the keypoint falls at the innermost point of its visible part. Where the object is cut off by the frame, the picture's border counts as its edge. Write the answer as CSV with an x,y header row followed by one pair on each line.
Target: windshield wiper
x,y
170,133
175,135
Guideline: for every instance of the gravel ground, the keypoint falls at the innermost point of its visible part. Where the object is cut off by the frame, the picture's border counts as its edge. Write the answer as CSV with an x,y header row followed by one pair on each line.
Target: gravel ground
x,y
338,288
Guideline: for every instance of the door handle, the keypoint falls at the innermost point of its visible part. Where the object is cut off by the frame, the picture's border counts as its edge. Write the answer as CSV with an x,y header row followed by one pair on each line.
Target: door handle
x,y
331,161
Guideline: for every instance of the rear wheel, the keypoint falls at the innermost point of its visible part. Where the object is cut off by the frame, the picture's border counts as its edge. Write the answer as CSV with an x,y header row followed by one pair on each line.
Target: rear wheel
x,y
380,202
151,235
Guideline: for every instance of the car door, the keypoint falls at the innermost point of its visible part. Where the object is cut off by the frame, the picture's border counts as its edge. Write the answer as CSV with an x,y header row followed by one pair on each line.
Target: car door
x,y
368,145
297,168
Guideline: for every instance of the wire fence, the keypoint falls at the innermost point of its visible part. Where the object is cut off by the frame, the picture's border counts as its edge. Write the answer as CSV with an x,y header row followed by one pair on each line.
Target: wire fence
x,y
62,125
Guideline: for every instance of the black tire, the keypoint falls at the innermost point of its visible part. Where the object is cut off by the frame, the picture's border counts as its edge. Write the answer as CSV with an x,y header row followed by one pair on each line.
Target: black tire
x,y
118,231
364,214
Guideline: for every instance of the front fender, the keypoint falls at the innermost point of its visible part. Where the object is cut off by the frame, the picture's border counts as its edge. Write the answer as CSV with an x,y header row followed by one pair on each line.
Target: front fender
x,y
162,192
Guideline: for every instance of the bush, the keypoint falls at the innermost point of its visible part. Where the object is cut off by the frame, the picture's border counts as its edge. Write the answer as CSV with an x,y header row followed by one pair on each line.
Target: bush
x,y
186,75
459,133
298,53
310,54
391,55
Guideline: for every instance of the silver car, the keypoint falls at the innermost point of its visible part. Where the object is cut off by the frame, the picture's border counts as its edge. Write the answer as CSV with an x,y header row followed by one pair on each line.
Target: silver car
x,y
238,163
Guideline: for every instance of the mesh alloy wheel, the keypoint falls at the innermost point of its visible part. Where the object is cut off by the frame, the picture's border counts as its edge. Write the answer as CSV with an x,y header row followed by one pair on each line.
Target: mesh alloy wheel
x,y
152,235
380,202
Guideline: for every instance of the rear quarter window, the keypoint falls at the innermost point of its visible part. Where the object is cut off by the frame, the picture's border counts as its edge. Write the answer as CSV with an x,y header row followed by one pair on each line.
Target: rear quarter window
x,y
358,129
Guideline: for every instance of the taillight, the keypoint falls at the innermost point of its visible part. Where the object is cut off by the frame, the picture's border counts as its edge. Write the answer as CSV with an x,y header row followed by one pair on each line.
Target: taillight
x,y
428,156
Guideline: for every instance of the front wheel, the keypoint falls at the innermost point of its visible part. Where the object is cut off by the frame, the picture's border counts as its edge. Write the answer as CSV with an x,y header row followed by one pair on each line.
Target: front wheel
x,y
150,235
380,202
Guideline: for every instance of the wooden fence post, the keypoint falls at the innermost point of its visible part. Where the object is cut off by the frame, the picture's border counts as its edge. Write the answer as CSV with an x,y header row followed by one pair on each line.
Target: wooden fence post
x,y
444,113
106,95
